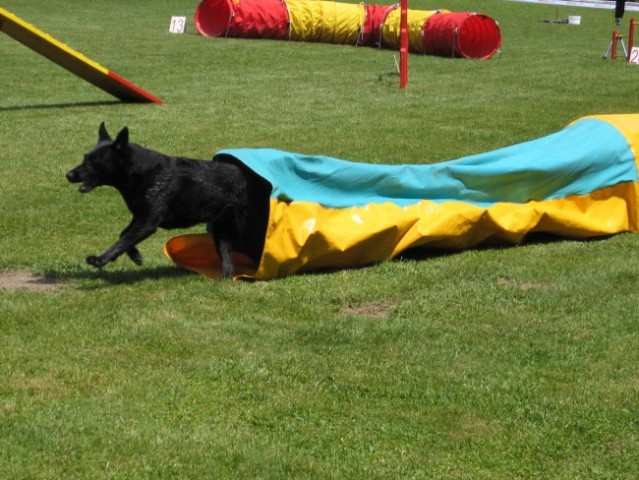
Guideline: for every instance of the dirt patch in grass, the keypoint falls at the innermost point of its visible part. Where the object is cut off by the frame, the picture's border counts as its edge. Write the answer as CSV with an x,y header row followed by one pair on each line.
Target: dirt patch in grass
x,y
27,281
377,310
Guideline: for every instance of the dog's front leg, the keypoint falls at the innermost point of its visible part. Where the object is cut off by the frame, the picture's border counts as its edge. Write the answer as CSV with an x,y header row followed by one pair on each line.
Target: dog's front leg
x,y
135,256
133,253
133,234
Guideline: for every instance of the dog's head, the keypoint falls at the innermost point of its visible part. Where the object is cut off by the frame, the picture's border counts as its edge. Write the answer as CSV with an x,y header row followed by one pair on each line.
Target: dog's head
x,y
103,164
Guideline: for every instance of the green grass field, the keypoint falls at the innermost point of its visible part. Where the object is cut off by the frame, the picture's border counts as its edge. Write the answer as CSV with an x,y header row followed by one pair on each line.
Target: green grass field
x,y
493,363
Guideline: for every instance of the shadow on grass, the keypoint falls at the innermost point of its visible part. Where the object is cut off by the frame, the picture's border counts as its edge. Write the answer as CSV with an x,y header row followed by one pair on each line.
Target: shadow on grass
x,y
119,277
101,278
531,239
46,106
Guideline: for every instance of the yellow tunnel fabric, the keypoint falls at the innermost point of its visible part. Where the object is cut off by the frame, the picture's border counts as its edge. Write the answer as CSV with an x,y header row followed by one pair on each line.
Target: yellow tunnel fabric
x,y
324,21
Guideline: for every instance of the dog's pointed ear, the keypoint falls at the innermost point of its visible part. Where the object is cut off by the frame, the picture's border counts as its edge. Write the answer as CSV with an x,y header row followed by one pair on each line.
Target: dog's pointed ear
x,y
122,139
103,135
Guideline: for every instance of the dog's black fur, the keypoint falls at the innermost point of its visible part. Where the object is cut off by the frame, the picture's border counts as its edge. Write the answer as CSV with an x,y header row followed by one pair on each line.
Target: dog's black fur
x,y
173,192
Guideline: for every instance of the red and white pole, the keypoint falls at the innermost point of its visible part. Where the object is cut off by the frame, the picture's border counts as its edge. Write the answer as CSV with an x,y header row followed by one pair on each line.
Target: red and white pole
x,y
403,45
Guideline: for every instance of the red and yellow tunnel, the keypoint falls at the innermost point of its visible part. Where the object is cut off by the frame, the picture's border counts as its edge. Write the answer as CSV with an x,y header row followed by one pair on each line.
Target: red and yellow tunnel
x,y
437,32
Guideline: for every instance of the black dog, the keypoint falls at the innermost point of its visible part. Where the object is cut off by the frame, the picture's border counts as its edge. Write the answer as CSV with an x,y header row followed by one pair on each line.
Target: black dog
x,y
172,192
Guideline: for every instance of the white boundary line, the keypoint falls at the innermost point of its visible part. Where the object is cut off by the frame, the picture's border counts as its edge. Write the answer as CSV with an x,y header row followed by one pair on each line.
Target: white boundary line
x,y
631,6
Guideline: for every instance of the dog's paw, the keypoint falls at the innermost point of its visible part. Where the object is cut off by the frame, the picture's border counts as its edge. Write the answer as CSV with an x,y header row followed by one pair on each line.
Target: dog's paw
x,y
95,261
135,255
228,274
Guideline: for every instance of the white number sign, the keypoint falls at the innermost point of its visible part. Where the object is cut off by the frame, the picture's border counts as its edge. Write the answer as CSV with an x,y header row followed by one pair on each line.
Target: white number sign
x,y
178,25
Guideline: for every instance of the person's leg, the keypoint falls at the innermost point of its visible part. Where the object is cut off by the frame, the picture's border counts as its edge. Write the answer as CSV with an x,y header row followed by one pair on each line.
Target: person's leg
x,y
620,7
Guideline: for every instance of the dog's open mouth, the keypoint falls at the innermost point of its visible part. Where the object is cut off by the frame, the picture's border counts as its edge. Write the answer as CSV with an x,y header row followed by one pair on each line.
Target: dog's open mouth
x,y
86,187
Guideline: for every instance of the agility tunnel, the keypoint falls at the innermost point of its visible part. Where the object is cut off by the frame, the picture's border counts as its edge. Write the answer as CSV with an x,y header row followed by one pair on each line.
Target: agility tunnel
x,y
326,213
437,32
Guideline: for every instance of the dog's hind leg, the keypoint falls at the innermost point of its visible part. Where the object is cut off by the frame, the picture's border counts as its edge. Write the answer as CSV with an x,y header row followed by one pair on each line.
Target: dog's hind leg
x,y
224,250
223,246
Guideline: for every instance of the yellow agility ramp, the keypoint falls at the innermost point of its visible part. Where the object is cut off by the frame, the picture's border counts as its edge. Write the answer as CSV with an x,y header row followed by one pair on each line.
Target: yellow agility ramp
x,y
71,60
579,182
